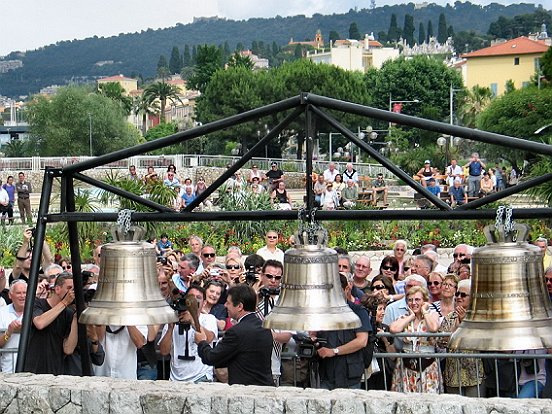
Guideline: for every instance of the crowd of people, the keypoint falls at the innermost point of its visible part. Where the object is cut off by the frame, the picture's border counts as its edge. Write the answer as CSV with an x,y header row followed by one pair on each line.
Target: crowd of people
x,y
473,180
411,292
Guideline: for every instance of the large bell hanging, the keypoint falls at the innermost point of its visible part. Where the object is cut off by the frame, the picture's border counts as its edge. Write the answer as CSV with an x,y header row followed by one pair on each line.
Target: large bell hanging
x,y
128,293
510,308
311,297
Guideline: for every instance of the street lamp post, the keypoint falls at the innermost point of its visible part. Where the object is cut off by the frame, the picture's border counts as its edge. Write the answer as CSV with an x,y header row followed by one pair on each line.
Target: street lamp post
x,y
391,102
90,131
451,109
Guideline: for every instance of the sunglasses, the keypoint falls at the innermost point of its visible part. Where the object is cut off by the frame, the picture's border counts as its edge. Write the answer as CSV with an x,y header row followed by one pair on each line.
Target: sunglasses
x,y
548,279
461,295
389,268
406,268
209,254
399,250
231,267
272,277
66,267
434,283
378,287
271,237
456,255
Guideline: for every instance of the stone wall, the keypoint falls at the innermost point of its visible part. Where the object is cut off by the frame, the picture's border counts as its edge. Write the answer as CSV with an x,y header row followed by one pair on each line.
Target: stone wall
x,y
27,393
210,174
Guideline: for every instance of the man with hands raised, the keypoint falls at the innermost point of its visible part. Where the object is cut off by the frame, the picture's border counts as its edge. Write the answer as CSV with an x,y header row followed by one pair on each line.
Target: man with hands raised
x,y
53,329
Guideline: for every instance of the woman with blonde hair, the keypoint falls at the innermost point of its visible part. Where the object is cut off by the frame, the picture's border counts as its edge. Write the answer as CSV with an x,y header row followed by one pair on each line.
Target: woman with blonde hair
x,y
400,250
416,373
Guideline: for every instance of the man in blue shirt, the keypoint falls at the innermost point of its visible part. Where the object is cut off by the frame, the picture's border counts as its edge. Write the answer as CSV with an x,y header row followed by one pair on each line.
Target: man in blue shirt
x,y
475,168
433,188
457,193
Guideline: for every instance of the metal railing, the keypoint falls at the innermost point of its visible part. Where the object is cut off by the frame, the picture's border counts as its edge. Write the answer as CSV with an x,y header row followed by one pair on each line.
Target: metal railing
x,y
502,365
182,161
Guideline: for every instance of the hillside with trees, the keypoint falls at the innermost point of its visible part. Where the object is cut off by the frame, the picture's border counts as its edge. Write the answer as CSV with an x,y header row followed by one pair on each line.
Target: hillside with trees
x,y
138,54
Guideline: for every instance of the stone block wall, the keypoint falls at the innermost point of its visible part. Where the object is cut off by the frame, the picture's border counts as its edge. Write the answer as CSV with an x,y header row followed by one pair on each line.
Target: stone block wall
x,y
28,393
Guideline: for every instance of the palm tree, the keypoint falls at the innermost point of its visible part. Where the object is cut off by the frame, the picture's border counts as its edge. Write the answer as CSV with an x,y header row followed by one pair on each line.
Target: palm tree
x,y
115,92
162,91
475,102
142,106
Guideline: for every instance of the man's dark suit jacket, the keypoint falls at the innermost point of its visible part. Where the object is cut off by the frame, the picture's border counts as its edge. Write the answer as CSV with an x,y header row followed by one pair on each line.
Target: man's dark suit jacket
x,y
245,349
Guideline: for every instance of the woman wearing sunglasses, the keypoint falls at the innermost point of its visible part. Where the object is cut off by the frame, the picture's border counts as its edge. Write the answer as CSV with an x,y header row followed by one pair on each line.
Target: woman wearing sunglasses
x,y
400,253
461,376
389,267
382,287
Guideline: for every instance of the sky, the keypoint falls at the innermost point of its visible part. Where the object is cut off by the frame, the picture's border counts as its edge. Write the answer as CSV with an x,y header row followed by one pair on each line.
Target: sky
x,y
30,24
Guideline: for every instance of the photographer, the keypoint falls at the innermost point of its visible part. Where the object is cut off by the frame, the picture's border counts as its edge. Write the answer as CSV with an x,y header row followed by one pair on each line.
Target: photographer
x,y
178,341
342,360
54,329
269,291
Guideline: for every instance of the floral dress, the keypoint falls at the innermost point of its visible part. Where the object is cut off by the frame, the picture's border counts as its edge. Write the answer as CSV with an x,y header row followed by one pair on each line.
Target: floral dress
x,y
406,379
471,369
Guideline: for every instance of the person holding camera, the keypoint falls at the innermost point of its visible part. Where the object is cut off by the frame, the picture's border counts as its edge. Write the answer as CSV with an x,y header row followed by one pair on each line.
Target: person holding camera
x,y
178,341
53,330
341,362
246,347
269,291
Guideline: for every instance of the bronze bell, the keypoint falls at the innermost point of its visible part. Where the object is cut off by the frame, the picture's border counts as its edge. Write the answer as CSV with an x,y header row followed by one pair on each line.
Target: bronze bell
x,y
510,308
311,297
128,292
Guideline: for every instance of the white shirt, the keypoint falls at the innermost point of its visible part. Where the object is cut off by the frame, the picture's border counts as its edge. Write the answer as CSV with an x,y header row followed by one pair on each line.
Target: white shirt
x,y
267,254
350,176
8,359
329,176
4,197
192,370
120,354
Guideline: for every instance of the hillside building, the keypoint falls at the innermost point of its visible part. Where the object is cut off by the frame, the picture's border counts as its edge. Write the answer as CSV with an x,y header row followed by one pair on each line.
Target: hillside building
x,y
350,54
128,84
517,60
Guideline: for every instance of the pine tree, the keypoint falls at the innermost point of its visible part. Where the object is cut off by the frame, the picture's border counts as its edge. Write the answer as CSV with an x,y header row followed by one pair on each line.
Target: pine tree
x,y
194,55
421,33
408,29
186,57
429,31
393,33
333,36
175,62
162,66
354,33
442,29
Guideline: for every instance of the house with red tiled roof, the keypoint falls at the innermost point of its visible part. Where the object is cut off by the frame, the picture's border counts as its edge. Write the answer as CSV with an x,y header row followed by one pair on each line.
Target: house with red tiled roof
x,y
517,60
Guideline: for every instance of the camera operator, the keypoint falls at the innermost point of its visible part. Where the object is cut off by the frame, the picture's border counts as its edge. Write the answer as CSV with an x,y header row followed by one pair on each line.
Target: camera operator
x,y
269,291
342,360
178,341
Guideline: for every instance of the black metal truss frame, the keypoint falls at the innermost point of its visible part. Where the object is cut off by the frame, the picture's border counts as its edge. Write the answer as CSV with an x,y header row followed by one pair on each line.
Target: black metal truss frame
x,y
312,107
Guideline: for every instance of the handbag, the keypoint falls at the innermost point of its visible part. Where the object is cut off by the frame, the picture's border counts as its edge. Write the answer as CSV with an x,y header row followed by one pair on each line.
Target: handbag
x,y
414,363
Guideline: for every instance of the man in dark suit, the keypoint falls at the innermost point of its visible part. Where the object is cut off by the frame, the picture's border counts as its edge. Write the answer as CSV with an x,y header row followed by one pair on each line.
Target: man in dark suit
x,y
246,348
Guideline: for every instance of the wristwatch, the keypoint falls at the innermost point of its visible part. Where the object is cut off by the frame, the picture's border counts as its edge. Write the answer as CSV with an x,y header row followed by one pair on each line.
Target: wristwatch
x,y
336,351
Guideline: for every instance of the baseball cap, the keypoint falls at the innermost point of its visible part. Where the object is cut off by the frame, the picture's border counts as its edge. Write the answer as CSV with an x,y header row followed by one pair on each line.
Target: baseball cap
x,y
427,162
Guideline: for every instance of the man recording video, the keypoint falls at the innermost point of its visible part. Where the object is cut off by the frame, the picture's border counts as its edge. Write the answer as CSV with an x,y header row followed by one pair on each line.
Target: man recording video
x,y
178,340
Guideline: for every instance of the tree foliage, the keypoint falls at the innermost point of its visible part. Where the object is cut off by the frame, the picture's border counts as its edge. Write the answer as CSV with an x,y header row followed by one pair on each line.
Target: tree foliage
x,y
354,33
237,59
164,92
61,125
175,62
519,114
115,92
208,62
394,32
546,65
408,29
520,25
442,29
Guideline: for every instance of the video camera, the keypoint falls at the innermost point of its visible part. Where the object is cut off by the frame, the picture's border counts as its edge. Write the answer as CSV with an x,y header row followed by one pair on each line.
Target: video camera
x,y
306,346
250,275
265,291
